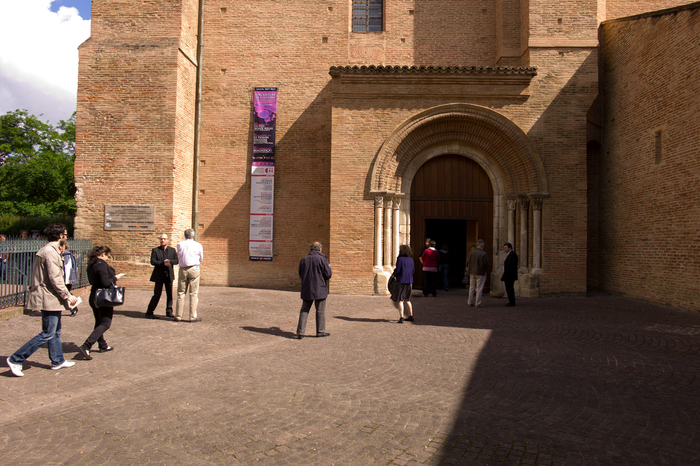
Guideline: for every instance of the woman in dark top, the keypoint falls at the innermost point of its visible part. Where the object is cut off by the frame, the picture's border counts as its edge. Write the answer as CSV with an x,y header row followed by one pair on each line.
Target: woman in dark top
x,y
100,275
404,282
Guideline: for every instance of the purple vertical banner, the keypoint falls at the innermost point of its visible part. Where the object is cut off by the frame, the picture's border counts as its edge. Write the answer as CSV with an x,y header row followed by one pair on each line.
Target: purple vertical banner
x,y
262,174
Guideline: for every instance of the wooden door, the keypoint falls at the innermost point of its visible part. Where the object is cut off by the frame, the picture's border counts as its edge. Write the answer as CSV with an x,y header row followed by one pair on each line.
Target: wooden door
x,y
451,199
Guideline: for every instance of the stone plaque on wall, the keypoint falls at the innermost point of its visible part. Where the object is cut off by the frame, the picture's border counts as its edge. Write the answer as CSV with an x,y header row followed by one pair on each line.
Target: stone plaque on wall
x,y
130,217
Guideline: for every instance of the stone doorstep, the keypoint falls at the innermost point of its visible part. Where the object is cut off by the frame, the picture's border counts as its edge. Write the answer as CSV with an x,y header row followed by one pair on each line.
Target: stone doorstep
x,y
10,312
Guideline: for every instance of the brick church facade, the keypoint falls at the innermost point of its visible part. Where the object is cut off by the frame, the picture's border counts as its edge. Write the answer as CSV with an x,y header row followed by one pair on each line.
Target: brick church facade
x,y
567,128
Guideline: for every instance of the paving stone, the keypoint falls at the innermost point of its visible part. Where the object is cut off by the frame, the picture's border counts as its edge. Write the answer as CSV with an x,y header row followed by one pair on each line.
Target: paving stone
x,y
598,380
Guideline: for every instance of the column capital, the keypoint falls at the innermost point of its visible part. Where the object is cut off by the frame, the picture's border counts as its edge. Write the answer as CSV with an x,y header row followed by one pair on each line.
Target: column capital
x,y
378,201
397,202
524,202
389,202
537,203
512,204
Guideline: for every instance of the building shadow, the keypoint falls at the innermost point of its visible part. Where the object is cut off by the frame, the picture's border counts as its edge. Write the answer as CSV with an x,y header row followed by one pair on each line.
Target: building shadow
x,y
599,380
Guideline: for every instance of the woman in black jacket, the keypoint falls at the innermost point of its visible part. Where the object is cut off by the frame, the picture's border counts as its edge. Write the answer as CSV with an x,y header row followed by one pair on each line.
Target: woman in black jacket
x,y
100,275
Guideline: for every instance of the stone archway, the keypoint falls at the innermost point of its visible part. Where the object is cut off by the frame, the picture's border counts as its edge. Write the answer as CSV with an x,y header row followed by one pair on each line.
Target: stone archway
x,y
497,144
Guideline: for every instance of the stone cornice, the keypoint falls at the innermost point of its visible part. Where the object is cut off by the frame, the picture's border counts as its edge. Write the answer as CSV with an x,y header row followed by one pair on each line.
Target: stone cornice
x,y
436,82
379,70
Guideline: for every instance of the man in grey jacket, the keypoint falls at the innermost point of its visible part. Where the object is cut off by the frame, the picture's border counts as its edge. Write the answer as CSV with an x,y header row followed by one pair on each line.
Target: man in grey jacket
x,y
477,263
48,292
314,271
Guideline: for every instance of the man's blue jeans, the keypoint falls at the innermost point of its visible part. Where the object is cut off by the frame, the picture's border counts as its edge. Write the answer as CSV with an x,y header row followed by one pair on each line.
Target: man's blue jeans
x,y
50,334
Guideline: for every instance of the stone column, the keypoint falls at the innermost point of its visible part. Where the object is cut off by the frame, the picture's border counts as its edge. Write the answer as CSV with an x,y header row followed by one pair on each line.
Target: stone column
x,y
387,232
537,234
524,211
397,239
511,221
378,211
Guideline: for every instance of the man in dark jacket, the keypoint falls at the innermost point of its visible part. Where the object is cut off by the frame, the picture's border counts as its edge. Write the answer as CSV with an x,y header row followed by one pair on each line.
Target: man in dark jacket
x,y
510,272
314,271
162,259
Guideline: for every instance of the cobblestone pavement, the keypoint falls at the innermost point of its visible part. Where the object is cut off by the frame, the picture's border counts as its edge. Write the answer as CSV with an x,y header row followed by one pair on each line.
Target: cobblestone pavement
x,y
555,381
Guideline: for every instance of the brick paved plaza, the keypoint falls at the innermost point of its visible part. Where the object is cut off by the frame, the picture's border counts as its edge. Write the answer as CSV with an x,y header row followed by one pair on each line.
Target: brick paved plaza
x,y
598,380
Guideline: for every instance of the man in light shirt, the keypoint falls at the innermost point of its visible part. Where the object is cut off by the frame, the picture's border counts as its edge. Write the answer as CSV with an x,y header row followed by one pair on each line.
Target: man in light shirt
x,y
190,254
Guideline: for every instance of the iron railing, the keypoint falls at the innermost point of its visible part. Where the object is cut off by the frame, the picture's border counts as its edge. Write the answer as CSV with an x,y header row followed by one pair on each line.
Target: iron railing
x,y
16,261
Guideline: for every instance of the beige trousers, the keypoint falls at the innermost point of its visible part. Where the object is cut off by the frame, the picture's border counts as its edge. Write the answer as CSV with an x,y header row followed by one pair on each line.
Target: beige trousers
x,y
476,287
188,278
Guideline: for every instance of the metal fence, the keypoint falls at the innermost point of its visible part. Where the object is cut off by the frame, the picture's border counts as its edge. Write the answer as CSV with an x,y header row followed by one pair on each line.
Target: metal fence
x,y
16,261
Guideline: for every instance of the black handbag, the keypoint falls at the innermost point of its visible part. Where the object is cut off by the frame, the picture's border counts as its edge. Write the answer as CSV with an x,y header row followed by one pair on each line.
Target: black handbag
x,y
109,297
391,283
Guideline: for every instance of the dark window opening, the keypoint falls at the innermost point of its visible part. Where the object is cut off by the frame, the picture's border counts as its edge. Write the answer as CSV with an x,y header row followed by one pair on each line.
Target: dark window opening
x,y
367,15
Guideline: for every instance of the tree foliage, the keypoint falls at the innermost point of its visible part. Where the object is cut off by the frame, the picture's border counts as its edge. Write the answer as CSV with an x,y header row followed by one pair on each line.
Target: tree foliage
x,y
36,165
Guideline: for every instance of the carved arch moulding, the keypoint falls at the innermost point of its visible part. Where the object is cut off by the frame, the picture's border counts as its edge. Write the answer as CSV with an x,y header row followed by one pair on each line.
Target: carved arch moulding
x,y
486,136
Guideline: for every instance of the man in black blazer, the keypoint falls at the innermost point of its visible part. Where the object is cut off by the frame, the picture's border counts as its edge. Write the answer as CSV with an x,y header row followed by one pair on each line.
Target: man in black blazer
x,y
510,272
162,259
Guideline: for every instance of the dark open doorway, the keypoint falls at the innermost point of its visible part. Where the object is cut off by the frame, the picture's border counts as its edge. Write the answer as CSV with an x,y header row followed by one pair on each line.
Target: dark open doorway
x,y
453,233
451,202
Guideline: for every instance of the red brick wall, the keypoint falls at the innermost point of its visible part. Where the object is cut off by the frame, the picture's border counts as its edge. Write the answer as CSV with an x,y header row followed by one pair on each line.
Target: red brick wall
x,y
649,246
620,8
134,124
324,154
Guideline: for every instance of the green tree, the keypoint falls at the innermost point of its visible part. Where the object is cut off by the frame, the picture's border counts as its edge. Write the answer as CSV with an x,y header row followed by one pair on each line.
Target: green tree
x,y
36,165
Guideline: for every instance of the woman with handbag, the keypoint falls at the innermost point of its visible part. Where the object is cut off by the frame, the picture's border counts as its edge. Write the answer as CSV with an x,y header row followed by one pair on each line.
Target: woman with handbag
x,y
100,275
401,294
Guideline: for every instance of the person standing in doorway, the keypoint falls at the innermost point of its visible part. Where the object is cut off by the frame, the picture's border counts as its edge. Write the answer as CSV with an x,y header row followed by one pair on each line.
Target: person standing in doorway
x,y
430,259
314,271
189,254
162,259
444,266
510,272
422,250
48,292
477,263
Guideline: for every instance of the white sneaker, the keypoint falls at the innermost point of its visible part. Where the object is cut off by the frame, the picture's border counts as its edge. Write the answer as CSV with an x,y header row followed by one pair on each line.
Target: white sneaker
x,y
62,365
15,368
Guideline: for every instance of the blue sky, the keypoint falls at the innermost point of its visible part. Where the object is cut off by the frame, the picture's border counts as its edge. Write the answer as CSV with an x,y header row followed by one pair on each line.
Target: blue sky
x,y
83,6
39,42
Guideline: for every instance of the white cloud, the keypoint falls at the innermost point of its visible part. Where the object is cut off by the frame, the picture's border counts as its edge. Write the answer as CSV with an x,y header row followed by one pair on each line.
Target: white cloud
x,y
39,57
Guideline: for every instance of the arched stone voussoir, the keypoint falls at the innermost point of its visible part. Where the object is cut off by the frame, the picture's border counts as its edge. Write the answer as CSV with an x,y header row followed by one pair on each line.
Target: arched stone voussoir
x,y
504,148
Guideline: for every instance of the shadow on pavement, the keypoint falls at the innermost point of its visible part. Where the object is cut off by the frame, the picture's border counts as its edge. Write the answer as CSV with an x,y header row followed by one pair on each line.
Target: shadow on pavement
x,y
565,380
361,319
276,331
133,314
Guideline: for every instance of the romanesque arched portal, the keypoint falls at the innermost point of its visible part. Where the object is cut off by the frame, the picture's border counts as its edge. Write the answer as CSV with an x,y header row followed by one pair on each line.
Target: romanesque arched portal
x,y
494,142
